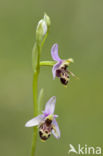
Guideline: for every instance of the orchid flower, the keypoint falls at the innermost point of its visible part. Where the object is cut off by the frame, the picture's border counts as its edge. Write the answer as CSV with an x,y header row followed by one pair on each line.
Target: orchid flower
x,y
60,68
46,122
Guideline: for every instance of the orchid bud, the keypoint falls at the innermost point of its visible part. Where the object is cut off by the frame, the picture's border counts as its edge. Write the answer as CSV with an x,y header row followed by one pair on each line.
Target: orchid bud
x,y
42,28
47,19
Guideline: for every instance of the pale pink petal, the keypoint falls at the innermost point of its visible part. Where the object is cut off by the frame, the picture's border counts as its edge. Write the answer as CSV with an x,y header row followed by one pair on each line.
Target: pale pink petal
x,y
55,131
55,67
35,121
54,53
50,106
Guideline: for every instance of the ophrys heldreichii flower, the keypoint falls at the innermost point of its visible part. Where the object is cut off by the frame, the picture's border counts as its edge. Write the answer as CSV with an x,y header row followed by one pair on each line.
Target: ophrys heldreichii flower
x,y
46,122
60,69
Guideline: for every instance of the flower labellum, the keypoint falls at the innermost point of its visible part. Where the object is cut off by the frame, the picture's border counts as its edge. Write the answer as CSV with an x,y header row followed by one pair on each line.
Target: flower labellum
x,y
46,122
60,68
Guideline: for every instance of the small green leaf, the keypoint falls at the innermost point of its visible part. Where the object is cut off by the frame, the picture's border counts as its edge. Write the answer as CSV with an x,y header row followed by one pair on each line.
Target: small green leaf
x,y
40,101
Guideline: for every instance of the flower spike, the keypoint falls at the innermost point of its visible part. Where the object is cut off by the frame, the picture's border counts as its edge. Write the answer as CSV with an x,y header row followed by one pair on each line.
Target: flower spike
x,y
46,122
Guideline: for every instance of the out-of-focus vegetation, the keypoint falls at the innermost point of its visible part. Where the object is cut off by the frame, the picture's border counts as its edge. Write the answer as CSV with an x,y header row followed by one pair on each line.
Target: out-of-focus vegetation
x,y
77,26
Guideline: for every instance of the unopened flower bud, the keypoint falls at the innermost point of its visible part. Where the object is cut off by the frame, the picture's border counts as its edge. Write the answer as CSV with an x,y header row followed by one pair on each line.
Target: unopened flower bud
x,y
47,19
41,30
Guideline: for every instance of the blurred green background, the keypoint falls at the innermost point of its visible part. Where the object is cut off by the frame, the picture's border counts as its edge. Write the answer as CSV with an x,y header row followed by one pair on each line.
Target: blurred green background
x,y
77,26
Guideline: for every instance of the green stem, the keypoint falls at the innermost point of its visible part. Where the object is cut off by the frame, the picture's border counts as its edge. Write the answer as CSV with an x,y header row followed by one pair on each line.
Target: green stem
x,y
36,49
45,37
34,140
47,63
